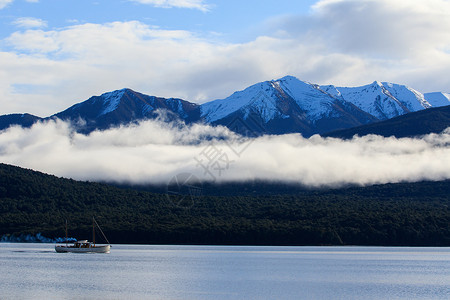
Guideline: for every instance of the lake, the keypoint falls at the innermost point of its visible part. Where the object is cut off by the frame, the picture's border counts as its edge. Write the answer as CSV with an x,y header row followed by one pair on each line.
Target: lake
x,y
36,271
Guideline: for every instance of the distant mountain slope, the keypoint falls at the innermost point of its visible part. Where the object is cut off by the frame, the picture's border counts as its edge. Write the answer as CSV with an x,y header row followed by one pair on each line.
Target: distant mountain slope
x,y
123,107
433,120
286,105
438,99
24,120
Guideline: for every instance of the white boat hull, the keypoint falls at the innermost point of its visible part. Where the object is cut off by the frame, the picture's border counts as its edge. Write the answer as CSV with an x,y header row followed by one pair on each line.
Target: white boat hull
x,y
96,249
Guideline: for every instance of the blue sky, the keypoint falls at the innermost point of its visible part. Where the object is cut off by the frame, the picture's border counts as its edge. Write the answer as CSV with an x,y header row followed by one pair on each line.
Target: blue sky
x,y
232,20
55,53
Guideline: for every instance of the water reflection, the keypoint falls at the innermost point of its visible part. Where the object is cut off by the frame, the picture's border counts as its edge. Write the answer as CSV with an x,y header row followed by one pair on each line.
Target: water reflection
x,y
35,271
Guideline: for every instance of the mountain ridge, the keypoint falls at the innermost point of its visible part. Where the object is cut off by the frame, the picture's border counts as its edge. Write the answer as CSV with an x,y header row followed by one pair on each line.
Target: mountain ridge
x,y
433,120
122,107
286,105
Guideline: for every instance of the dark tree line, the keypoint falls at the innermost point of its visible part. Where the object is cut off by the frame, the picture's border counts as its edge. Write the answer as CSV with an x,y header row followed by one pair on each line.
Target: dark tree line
x,y
415,214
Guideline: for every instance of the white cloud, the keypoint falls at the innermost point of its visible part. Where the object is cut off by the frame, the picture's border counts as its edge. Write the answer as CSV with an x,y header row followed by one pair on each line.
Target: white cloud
x,y
28,22
404,41
383,28
74,63
154,152
193,4
4,3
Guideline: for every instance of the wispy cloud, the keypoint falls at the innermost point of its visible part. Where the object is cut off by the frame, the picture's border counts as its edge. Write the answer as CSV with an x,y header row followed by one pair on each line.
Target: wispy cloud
x,y
192,4
4,3
155,152
28,22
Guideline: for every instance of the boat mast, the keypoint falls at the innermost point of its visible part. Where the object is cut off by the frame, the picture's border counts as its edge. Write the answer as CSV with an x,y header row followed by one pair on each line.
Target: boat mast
x,y
93,230
101,231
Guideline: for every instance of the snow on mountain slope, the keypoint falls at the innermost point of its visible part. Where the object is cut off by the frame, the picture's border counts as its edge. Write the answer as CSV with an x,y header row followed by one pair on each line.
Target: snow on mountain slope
x,y
272,107
409,97
131,103
314,101
125,106
111,101
438,99
265,99
259,97
382,100
283,106
332,91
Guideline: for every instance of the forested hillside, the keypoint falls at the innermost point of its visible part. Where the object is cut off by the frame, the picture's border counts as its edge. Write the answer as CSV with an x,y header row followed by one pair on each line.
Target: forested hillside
x,y
394,214
433,120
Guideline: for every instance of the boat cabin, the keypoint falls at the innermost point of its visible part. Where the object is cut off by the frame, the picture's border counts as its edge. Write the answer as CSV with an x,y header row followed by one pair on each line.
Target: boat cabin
x,y
82,244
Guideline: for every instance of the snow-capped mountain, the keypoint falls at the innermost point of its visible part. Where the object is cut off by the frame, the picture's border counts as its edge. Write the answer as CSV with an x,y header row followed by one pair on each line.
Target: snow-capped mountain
x,y
382,100
283,106
292,105
266,99
278,106
125,106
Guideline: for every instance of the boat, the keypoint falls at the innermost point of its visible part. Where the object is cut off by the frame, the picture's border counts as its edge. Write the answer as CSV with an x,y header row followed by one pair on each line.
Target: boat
x,y
84,246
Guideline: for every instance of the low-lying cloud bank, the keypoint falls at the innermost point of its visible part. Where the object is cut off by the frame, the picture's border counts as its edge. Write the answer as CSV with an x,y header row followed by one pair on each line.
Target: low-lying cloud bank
x,y
154,152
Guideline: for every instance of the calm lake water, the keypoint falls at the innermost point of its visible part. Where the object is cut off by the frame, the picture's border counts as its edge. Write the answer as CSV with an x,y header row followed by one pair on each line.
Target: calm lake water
x,y
36,271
